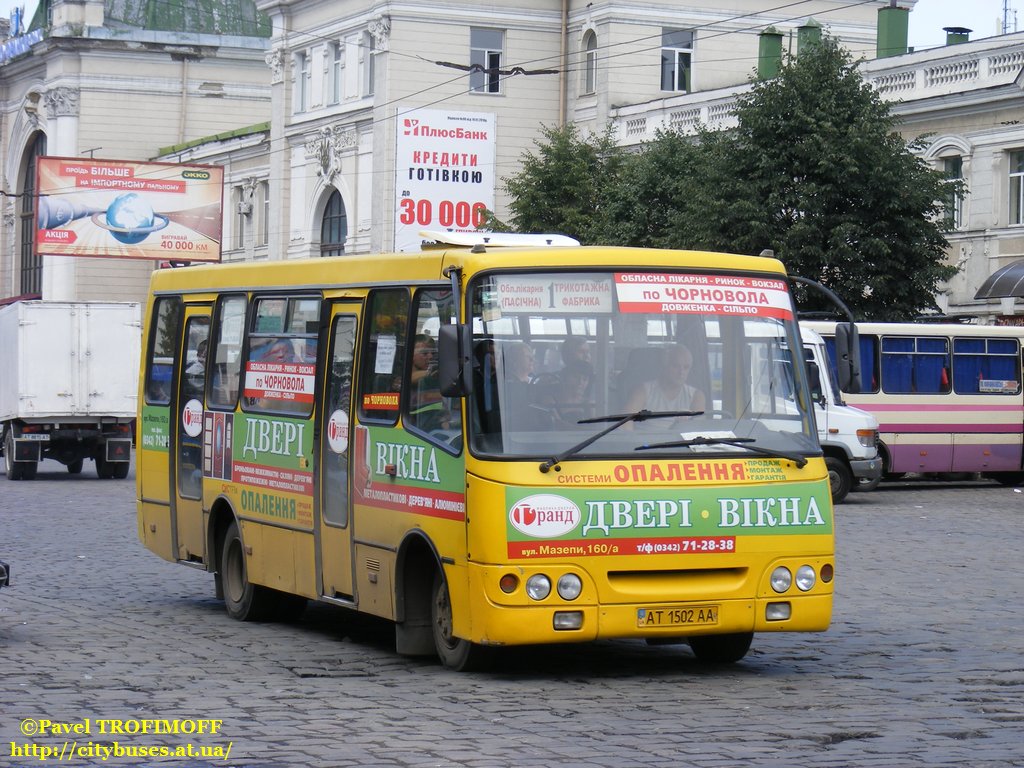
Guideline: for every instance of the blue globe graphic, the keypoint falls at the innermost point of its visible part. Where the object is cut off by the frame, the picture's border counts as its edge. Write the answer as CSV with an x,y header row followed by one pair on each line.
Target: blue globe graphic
x,y
130,212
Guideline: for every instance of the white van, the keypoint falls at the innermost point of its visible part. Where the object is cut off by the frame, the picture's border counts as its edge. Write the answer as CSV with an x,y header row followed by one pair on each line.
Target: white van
x,y
848,435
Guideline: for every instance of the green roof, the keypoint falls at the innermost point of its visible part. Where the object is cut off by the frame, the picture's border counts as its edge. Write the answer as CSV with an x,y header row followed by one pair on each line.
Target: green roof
x,y
236,133
205,17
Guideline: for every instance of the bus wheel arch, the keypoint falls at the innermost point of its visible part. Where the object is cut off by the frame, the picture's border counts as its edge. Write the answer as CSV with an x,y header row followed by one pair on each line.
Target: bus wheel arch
x,y
415,566
423,610
886,457
221,516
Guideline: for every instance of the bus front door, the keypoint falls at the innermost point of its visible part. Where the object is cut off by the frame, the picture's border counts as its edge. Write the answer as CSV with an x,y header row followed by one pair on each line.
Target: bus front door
x,y
187,439
334,552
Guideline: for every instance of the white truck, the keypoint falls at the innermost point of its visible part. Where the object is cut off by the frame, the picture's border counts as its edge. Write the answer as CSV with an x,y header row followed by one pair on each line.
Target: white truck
x,y
848,435
68,385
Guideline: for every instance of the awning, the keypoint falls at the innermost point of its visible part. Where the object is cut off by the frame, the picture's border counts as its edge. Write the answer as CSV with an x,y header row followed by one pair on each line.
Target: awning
x,y
1003,283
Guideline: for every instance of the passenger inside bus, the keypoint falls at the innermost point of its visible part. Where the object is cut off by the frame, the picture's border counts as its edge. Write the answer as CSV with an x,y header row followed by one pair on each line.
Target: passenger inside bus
x,y
427,409
668,390
569,394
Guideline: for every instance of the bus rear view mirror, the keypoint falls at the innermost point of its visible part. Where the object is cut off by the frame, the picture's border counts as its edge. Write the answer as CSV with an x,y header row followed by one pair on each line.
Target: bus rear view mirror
x,y
454,371
814,378
848,357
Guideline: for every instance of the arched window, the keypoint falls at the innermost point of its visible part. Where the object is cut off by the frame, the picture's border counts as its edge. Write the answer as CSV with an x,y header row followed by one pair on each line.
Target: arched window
x,y
590,62
31,263
334,227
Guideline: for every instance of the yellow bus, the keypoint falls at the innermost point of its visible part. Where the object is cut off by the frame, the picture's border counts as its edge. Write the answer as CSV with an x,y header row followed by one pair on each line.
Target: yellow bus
x,y
494,445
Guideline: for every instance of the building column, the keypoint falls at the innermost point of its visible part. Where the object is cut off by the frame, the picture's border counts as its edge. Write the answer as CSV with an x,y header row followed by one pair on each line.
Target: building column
x,y
61,104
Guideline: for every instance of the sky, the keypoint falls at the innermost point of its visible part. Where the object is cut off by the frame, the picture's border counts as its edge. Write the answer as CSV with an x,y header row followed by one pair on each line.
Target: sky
x,y
984,17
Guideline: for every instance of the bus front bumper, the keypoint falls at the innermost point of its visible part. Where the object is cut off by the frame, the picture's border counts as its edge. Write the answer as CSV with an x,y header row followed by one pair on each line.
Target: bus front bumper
x,y
567,623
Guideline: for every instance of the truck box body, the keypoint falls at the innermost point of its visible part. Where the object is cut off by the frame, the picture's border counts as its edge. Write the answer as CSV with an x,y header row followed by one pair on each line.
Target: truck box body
x,y
67,368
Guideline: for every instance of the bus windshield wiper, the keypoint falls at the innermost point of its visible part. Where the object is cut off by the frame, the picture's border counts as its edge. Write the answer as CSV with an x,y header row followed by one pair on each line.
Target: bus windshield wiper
x,y
737,442
618,420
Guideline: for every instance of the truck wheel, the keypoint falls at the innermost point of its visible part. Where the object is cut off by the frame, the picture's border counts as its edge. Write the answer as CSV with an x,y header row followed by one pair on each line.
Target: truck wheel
x,y
839,477
118,470
16,470
720,649
244,601
75,467
455,653
104,468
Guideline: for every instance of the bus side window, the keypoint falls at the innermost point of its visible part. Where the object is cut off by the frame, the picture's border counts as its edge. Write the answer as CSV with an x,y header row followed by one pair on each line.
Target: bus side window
x,y
162,346
278,376
426,410
383,357
226,355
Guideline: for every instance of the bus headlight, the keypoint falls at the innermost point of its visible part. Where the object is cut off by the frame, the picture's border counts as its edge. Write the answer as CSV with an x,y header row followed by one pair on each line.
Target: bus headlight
x,y
782,579
569,586
538,586
805,578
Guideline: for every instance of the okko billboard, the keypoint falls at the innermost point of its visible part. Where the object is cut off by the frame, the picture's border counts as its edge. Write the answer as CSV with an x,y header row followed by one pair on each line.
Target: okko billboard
x,y
444,172
119,209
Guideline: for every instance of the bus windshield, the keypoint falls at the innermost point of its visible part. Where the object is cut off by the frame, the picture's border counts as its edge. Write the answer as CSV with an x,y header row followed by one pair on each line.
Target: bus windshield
x,y
691,363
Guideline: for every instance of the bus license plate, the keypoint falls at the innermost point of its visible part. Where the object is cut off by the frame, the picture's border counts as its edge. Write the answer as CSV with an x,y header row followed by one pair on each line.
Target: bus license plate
x,y
680,616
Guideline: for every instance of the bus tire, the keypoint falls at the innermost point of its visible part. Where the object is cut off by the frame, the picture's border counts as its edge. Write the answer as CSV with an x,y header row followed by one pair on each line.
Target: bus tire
x,y
840,478
242,600
721,649
455,653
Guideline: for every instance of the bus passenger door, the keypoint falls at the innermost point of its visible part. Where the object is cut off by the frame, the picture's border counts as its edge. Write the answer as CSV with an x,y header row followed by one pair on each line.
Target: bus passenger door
x,y
334,553
187,439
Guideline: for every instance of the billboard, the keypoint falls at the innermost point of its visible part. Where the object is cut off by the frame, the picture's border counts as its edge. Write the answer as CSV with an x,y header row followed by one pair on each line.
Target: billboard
x,y
119,209
444,172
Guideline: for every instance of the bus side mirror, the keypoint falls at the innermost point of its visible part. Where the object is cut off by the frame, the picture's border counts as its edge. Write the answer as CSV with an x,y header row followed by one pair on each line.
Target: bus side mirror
x,y
848,357
814,379
454,366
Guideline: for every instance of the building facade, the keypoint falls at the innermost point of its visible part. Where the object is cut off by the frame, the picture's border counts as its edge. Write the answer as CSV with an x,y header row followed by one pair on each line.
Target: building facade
x,y
965,102
115,79
392,118
350,127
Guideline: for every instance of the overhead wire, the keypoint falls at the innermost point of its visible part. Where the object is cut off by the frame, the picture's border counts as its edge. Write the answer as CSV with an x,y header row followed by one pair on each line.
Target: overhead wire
x,y
521,68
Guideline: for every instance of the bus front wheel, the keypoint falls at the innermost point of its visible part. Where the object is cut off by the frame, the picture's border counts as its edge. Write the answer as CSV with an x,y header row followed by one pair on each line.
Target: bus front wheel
x,y
244,601
454,653
721,649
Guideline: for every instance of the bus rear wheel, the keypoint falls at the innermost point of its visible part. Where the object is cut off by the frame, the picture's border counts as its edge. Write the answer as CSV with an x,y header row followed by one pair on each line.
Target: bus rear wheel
x,y
721,649
244,601
454,653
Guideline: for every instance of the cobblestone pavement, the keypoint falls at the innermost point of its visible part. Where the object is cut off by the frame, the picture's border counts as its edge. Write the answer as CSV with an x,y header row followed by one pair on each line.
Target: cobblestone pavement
x,y
922,665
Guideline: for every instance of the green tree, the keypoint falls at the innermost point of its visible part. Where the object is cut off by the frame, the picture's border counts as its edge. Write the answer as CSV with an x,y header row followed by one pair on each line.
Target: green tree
x,y
820,176
815,172
564,186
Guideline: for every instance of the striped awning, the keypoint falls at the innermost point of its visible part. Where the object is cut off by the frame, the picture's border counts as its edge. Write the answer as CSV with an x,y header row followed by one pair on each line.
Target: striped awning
x,y
1003,283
